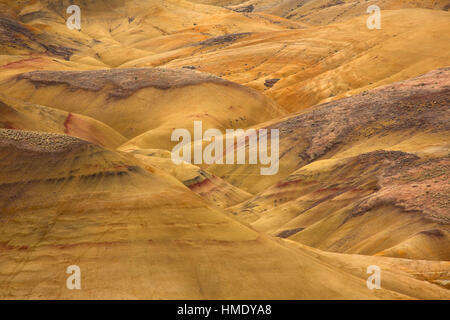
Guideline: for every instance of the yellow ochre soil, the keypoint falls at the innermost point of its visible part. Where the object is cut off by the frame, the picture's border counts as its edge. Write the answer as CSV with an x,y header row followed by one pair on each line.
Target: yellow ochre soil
x,y
87,179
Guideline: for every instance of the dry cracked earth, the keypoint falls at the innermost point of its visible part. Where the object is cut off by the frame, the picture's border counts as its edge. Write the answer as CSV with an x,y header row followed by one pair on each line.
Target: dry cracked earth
x,y
86,170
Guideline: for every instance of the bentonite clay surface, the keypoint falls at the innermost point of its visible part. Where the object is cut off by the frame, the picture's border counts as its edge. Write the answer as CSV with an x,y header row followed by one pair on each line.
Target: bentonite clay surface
x,y
363,158
419,103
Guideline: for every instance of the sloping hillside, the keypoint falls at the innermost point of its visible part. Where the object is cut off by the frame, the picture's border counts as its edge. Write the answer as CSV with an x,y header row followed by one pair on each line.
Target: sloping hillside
x,y
111,213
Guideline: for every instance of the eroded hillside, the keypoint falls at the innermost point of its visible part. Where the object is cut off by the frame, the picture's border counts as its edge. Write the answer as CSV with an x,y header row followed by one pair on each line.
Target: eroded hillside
x,y
87,175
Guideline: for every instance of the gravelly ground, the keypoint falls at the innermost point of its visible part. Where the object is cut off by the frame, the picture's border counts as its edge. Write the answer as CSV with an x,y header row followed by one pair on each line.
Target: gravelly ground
x,y
38,141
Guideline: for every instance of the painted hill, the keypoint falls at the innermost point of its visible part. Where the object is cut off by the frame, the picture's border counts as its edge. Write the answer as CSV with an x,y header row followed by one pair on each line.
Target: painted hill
x,y
148,103
108,213
299,68
296,63
86,175
26,116
361,174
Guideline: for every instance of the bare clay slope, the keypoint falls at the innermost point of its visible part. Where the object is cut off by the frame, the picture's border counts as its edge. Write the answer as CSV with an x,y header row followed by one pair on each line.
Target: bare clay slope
x,y
146,103
360,175
302,67
216,191
327,11
138,233
365,178
296,64
15,114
